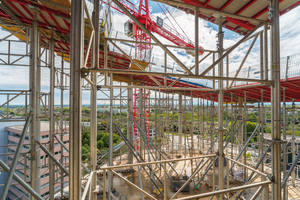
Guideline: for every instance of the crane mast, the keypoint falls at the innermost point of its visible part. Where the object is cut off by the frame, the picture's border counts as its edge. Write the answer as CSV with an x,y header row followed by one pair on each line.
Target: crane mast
x,y
141,52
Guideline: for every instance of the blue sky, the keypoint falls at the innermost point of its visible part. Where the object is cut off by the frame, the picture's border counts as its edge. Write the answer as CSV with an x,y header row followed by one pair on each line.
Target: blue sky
x,y
16,77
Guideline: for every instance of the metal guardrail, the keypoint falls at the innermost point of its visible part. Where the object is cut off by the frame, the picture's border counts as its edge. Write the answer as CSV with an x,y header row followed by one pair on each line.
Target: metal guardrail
x,y
289,68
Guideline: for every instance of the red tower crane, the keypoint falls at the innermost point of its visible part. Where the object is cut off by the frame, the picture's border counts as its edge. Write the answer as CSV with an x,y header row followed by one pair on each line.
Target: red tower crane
x,y
156,25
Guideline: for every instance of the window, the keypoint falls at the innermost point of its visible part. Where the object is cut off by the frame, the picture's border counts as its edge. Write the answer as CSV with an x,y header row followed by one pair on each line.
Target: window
x,y
24,146
20,191
45,137
11,142
44,175
11,151
56,189
45,194
12,194
17,135
21,173
45,185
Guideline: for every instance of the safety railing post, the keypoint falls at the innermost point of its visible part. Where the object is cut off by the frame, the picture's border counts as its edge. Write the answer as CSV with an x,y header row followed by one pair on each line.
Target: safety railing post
x,y
104,184
165,181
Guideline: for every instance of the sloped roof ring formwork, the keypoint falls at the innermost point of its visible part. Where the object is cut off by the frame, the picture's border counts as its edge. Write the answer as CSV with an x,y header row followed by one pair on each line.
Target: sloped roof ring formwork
x,y
54,15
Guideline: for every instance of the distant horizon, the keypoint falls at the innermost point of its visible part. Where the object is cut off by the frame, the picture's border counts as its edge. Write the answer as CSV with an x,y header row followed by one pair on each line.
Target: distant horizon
x,y
195,104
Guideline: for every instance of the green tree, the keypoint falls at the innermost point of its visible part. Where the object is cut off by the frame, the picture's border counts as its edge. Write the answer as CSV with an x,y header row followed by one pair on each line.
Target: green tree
x,y
100,144
251,126
116,138
85,150
105,140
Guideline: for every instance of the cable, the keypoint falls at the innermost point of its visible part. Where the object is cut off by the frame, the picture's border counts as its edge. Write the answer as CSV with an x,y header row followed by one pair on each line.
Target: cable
x,y
176,21
166,16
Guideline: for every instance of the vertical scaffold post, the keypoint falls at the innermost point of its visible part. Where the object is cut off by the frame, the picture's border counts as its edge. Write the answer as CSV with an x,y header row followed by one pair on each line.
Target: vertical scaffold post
x,y
51,116
93,99
110,155
76,63
276,99
196,41
220,109
130,119
180,123
62,122
285,194
34,170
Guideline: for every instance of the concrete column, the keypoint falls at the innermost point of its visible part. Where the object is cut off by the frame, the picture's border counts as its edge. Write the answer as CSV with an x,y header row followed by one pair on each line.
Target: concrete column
x,y
220,110
275,100
76,63
180,123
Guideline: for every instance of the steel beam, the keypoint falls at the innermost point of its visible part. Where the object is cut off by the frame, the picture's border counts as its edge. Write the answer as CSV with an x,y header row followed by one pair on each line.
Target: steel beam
x,y
209,10
230,50
244,60
155,44
160,88
219,192
135,72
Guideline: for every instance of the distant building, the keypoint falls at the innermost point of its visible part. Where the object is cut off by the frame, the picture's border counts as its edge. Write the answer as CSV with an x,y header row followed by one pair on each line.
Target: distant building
x,y
12,133
115,111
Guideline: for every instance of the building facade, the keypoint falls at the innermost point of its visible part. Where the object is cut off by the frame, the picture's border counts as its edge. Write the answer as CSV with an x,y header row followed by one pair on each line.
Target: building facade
x,y
13,134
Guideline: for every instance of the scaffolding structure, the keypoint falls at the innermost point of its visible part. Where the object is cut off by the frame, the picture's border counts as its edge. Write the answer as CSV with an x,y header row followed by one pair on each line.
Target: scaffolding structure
x,y
181,131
